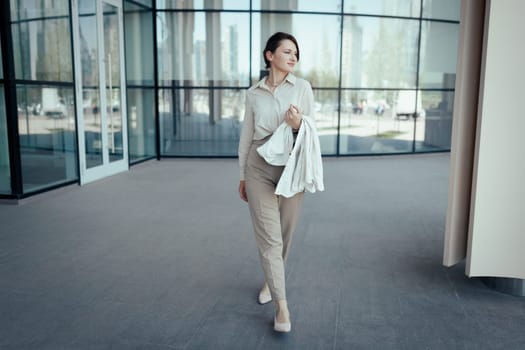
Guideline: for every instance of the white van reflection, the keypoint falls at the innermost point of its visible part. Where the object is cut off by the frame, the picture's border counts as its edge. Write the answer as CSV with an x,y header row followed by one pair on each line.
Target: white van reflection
x,y
52,104
405,105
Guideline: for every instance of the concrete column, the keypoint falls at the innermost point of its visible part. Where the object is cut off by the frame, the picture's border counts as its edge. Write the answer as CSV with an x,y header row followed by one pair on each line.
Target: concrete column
x,y
464,130
214,59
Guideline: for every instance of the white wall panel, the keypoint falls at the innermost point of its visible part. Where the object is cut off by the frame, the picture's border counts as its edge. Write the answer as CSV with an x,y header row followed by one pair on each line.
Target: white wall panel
x,y
497,220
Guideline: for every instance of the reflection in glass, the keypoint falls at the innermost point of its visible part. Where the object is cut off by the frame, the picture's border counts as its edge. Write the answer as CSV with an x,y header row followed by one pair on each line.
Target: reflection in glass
x,y
402,8
379,52
5,175
298,5
203,4
442,9
90,84
141,123
42,50
384,112
113,88
138,25
203,49
326,106
434,129
147,3
26,9
46,124
318,45
439,47
200,122
1,60
370,123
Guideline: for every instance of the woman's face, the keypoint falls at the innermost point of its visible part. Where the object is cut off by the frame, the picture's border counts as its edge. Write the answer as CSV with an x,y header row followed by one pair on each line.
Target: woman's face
x,y
284,58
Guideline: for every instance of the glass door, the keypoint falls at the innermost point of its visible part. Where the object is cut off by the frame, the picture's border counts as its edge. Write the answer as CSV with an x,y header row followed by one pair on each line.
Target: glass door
x,y
100,88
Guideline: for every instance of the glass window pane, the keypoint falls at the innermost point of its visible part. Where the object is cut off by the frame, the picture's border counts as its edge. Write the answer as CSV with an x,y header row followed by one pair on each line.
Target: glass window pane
x,y
201,49
404,8
138,26
5,175
203,4
201,122
298,5
379,52
46,124
439,47
373,122
26,9
42,50
442,9
141,123
318,45
326,119
434,127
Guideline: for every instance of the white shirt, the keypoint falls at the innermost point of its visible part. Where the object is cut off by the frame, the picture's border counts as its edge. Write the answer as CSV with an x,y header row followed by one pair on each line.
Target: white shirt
x,y
265,110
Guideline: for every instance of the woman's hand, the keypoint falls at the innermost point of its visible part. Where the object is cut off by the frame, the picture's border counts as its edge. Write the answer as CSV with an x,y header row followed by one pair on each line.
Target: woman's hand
x,y
242,190
293,117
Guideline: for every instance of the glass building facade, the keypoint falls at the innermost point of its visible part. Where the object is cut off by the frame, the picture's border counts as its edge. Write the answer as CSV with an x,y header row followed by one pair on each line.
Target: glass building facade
x,y
382,71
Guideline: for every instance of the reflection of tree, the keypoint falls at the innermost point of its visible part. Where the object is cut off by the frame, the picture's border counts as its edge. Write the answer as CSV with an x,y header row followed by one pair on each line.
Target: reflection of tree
x,y
111,45
387,57
53,61
324,74
322,77
88,61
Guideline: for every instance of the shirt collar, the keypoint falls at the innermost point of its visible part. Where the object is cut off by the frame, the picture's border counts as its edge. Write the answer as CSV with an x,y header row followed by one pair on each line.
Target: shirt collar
x,y
289,78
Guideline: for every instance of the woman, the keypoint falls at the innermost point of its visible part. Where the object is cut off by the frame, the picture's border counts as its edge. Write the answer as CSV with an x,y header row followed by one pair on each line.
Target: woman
x,y
279,97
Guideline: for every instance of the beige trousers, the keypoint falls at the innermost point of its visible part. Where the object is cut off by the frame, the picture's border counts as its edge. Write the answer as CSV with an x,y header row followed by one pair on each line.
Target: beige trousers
x,y
274,218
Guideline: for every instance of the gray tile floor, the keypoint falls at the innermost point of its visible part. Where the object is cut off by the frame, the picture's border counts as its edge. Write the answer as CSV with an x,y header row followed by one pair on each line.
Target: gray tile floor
x,y
163,257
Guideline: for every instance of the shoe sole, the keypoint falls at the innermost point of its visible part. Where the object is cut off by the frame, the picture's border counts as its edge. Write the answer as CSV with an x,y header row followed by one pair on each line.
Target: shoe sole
x,y
263,301
282,327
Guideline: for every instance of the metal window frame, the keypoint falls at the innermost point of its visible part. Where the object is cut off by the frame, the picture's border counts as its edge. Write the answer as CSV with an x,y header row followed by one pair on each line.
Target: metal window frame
x,y
15,164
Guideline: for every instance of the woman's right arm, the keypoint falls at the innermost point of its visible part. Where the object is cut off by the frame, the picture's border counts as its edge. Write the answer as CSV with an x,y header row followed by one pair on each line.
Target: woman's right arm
x,y
242,190
245,141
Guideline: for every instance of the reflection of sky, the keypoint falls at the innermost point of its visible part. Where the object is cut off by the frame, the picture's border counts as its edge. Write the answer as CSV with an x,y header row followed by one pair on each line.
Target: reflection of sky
x,y
88,30
318,38
371,26
318,35
365,6
239,20
199,4
384,7
318,43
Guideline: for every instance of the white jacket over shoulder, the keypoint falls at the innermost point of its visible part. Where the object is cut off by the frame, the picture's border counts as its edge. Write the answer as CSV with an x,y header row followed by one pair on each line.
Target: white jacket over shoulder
x,y
303,169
